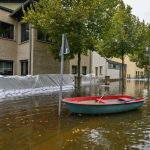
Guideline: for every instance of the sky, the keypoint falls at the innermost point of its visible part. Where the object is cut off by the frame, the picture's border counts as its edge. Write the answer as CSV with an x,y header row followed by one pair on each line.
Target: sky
x,y
140,8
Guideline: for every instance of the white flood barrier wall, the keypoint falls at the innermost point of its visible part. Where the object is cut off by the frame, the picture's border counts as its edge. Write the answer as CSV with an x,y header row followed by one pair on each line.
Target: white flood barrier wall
x,y
21,86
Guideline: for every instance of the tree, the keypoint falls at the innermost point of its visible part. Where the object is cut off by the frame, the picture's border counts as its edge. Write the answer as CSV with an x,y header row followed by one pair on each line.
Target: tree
x,y
141,57
121,38
84,22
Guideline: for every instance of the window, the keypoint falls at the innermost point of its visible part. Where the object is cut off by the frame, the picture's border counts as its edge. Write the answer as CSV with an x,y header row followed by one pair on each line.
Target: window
x,y
84,70
136,73
110,66
43,36
100,69
6,30
6,67
114,66
74,69
117,66
24,67
96,71
24,32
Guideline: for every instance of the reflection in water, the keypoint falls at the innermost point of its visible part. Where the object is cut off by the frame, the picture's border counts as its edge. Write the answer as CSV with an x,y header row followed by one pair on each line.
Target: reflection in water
x,y
97,138
32,123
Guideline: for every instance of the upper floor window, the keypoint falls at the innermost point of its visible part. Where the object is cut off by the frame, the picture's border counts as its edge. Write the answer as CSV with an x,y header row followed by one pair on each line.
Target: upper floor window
x,y
6,67
6,30
114,66
24,32
43,36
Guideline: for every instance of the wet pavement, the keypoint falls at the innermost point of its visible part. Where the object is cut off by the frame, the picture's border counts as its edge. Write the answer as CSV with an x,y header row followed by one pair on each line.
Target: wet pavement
x,y
32,123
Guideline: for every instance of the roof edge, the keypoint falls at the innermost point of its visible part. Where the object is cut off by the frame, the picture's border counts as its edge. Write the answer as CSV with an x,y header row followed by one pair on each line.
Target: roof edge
x,y
20,7
6,9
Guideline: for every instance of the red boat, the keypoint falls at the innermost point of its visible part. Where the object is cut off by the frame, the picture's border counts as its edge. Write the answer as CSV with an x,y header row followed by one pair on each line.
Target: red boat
x,y
103,104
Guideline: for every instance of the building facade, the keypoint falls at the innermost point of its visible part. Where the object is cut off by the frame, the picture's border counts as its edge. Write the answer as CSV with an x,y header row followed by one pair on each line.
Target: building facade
x,y
132,71
24,50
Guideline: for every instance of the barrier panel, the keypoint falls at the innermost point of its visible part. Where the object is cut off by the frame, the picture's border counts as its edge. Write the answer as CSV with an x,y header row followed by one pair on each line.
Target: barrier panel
x,y
20,86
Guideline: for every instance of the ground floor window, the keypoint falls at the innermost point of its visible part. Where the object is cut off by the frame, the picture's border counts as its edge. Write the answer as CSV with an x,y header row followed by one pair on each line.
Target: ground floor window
x,y
74,69
6,67
128,75
84,68
24,67
96,71
100,70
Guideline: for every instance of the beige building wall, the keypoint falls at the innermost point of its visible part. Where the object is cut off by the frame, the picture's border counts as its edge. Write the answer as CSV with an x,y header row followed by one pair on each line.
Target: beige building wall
x,y
85,61
8,51
43,59
132,70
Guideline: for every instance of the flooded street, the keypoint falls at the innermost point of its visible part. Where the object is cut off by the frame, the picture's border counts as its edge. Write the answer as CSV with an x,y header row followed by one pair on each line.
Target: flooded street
x,y
32,123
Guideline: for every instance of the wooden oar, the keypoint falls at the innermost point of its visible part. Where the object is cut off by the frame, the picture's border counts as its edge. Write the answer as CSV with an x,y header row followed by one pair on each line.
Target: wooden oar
x,y
100,99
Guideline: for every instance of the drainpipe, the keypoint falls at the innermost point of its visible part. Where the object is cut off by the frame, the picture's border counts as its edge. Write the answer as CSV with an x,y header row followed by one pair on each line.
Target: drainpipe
x,y
30,48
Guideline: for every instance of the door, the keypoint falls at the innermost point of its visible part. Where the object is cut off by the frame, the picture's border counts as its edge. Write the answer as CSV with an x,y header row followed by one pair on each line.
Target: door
x,y
24,67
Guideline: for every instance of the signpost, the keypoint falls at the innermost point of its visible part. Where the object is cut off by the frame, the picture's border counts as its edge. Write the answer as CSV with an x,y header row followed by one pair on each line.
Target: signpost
x,y
64,50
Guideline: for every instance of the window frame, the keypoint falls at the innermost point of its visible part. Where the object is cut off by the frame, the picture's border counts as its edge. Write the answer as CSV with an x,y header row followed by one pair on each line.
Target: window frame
x,y
74,69
24,37
3,34
84,70
22,69
12,65
44,38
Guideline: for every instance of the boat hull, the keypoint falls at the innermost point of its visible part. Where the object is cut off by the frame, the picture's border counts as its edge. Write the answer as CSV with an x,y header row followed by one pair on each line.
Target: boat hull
x,y
78,105
102,109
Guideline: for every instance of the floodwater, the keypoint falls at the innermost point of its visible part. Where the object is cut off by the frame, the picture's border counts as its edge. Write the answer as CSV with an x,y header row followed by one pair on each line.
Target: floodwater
x,y
33,124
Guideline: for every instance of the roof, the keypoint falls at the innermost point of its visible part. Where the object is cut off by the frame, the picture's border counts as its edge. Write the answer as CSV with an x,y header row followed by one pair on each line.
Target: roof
x,y
12,1
6,9
18,13
114,62
11,6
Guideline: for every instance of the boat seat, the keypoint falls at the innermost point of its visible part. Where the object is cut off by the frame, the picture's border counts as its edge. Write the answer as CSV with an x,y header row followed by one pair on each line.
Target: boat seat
x,y
124,99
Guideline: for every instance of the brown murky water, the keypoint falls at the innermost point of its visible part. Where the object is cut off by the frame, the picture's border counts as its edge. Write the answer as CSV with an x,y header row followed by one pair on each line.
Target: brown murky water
x,y
33,124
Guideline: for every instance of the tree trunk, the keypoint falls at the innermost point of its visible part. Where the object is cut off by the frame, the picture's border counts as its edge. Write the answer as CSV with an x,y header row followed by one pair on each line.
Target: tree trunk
x,y
78,77
122,71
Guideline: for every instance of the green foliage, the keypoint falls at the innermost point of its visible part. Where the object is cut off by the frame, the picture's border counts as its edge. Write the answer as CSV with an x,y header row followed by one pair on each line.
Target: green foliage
x,y
84,21
141,57
124,36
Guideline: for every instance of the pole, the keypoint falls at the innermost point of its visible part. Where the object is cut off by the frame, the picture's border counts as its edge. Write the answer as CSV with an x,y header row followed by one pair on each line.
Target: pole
x,y
30,47
61,73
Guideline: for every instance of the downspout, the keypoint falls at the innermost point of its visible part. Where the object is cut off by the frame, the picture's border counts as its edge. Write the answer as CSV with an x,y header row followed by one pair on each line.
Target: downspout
x,y
30,48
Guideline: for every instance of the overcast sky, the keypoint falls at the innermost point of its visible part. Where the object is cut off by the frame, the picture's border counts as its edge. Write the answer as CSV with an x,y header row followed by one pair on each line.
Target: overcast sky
x,y
141,8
